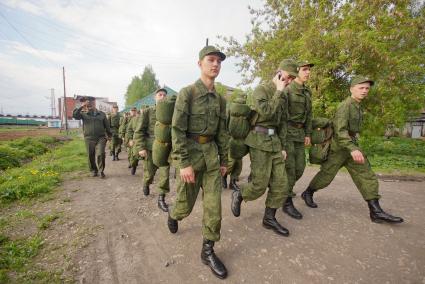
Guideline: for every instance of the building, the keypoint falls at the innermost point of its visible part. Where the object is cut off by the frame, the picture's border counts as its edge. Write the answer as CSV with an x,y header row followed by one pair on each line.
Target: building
x,y
415,128
101,103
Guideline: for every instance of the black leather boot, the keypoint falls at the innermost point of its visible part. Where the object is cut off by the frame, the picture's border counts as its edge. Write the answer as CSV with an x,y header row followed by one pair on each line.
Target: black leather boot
x,y
270,222
378,215
236,203
173,225
209,258
116,157
146,190
133,170
307,195
94,174
233,185
161,203
224,181
289,208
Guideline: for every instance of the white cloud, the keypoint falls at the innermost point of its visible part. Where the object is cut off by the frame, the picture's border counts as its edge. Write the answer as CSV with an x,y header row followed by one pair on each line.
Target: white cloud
x,y
105,43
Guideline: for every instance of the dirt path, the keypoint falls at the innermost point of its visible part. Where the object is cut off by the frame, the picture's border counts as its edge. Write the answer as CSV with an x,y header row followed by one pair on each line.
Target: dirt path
x,y
19,133
335,243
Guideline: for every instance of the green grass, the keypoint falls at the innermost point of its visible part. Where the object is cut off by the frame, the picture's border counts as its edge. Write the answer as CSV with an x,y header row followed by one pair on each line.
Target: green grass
x,y
16,152
45,222
43,174
395,155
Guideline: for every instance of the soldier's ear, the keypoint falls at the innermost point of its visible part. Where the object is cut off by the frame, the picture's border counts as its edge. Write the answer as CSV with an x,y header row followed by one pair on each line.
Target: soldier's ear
x,y
199,63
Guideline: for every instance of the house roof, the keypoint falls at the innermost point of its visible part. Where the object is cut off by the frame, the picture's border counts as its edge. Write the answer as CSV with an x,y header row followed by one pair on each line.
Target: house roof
x,y
149,100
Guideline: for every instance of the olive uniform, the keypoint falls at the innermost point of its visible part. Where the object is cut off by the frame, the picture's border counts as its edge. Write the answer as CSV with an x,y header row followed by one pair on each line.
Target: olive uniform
x,y
143,139
199,136
299,127
114,122
266,141
132,154
347,124
95,129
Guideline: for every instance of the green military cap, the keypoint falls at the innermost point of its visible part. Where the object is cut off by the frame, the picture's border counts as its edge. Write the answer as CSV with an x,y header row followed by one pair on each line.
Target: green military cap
x,y
361,79
209,49
305,63
289,66
161,90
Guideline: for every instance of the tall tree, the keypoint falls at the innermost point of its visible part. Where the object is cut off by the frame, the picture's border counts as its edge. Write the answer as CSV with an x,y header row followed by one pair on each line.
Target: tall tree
x,y
381,39
141,86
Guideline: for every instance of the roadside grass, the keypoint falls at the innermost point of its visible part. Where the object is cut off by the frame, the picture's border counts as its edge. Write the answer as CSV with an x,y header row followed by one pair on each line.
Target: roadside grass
x,y
23,232
43,174
395,155
14,153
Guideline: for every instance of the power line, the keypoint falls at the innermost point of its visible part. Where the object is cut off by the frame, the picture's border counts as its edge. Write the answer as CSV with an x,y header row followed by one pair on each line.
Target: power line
x,y
25,39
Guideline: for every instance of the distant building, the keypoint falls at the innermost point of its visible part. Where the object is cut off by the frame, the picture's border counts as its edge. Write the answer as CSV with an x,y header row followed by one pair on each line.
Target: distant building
x,y
415,128
101,103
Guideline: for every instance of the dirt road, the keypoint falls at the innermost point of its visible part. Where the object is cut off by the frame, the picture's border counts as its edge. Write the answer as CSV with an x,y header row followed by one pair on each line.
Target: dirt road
x,y
335,243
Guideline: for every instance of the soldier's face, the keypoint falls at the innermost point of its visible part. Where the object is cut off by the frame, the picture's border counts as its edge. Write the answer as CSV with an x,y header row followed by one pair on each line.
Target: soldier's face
x,y
360,91
160,96
133,113
304,73
210,65
114,110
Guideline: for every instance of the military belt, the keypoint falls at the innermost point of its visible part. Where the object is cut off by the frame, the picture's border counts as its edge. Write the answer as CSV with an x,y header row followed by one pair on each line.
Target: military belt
x,y
296,125
201,139
264,130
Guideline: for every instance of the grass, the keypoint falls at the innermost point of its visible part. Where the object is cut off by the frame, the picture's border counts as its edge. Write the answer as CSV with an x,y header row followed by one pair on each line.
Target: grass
x,y
43,174
16,152
37,180
395,155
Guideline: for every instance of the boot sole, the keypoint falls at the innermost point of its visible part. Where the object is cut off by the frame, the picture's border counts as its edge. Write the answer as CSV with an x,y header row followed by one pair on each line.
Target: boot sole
x,y
381,221
268,227
215,274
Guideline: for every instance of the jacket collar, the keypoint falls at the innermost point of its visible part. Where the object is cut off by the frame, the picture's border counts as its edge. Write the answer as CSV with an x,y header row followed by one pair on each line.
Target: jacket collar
x,y
203,89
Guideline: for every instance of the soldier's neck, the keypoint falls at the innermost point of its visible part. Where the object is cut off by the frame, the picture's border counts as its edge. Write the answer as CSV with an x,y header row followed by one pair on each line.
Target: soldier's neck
x,y
298,81
208,82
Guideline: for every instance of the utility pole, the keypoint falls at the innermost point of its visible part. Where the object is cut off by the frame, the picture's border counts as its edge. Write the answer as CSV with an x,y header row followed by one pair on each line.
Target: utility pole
x,y
64,102
206,43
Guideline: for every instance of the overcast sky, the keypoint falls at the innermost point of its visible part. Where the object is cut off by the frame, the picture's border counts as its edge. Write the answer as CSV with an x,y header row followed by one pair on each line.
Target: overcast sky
x,y
103,44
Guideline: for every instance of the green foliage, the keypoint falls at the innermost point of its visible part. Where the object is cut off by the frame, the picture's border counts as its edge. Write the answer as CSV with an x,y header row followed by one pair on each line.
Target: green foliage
x,y
45,222
381,39
16,254
14,153
43,173
141,86
395,154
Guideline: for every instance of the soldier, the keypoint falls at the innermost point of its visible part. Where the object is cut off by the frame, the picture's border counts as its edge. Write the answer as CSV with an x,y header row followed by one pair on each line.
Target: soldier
x,y
345,152
114,122
143,140
199,137
95,129
123,131
299,132
133,157
267,145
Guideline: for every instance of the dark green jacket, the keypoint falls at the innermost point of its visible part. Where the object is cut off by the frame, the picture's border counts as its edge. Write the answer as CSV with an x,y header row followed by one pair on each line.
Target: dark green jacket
x,y
131,127
270,109
95,123
199,112
144,133
299,111
347,124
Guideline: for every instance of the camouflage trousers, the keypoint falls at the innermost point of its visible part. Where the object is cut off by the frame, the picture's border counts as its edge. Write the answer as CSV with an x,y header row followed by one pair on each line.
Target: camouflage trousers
x,y
268,171
363,176
295,164
149,171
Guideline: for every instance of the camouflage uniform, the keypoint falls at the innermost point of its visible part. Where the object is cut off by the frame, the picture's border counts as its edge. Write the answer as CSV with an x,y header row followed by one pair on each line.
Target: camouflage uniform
x,y
114,122
199,136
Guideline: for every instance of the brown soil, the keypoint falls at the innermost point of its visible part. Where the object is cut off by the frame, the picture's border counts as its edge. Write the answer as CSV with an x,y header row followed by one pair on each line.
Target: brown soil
x,y
10,135
111,233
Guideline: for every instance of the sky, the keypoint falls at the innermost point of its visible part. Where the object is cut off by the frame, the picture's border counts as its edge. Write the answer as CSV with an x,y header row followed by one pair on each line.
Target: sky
x,y
104,43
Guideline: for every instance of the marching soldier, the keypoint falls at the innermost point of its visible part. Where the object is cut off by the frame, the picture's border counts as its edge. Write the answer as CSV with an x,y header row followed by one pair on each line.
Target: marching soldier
x,y
114,122
199,141
267,145
299,132
133,157
345,152
143,140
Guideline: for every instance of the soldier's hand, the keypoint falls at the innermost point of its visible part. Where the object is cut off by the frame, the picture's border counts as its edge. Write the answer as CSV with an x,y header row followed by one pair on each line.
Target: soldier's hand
x,y
358,157
307,141
143,153
279,82
131,143
187,175
223,171
284,154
